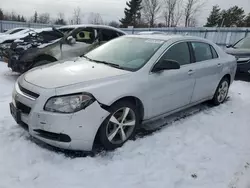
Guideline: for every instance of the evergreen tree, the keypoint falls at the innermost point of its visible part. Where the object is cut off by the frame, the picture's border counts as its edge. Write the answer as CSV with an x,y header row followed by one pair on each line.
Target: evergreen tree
x,y
234,16
132,13
1,15
247,21
60,21
23,19
35,17
214,17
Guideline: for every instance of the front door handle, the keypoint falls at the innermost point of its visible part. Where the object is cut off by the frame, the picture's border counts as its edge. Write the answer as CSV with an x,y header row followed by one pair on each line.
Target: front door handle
x,y
219,64
190,72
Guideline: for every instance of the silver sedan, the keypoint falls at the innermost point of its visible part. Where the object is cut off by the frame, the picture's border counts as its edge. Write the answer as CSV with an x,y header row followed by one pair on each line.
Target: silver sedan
x,y
128,82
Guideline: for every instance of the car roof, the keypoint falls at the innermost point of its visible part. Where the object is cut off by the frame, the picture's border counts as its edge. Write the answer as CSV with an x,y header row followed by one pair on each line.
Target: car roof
x,y
151,32
92,25
42,29
167,37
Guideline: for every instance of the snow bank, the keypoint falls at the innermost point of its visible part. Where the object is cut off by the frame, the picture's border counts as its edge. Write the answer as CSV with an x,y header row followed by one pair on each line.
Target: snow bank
x,y
204,150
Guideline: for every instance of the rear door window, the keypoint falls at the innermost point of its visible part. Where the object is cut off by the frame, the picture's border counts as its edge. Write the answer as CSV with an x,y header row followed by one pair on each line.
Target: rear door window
x,y
202,51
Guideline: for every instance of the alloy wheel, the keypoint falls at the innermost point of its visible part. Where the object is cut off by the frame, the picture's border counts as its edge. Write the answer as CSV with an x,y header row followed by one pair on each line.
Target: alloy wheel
x,y
121,125
222,92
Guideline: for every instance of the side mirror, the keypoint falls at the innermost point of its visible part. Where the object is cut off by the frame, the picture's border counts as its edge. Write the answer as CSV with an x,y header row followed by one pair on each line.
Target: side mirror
x,y
71,40
228,46
166,64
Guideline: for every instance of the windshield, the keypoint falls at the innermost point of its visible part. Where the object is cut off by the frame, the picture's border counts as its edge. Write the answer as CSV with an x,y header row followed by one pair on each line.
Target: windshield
x,y
243,43
127,53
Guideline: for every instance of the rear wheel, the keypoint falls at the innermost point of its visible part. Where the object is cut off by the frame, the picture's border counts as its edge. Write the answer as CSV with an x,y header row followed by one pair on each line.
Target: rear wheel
x,y
221,91
120,125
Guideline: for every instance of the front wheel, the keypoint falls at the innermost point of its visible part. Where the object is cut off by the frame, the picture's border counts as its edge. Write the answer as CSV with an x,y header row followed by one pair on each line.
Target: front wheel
x,y
221,92
120,125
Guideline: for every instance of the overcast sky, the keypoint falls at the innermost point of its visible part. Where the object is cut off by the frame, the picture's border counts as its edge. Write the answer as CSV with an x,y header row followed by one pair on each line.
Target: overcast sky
x,y
109,9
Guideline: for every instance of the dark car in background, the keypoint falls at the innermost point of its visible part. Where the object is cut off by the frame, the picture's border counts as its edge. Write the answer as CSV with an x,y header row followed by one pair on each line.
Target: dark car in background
x,y
62,43
241,50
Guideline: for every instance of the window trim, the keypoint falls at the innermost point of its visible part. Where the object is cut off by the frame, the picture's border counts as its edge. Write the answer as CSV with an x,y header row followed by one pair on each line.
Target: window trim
x,y
158,59
211,48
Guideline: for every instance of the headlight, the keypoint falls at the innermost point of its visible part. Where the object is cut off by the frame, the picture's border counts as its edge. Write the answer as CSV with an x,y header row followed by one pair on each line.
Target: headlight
x,y
69,103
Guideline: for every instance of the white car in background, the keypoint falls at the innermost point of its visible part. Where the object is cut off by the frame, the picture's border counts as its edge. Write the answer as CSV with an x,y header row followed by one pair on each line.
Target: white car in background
x,y
123,84
151,33
13,31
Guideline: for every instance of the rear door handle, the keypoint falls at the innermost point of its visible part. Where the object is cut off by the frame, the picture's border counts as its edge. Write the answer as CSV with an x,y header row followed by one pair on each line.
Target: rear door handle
x,y
190,72
219,64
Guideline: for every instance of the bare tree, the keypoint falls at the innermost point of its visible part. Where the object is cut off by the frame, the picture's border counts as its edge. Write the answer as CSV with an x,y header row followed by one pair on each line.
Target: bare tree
x,y
178,13
77,16
95,18
192,22
44,18
190,9
172,12
151,10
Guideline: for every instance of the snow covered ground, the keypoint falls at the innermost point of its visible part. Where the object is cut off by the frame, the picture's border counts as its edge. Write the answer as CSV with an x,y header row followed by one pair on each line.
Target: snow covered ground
x,y
208,149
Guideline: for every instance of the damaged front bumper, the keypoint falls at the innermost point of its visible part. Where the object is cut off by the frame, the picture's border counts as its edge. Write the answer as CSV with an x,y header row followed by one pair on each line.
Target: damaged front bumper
x,y
74,131
15,63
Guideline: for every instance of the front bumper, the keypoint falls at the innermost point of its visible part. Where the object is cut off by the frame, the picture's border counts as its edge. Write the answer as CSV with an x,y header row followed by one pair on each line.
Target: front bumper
x,y
74,131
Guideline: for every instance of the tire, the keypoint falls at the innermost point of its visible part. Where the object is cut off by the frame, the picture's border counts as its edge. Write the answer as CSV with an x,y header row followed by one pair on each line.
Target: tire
x,y
40,63
111,134
221,92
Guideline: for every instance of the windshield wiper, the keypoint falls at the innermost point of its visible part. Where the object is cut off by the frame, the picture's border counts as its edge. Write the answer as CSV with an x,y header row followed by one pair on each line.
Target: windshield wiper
x,y
104,62
107,63
86,57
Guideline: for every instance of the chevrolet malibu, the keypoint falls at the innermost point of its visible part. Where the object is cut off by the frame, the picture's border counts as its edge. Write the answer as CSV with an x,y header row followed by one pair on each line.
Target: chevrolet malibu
x,y
124,84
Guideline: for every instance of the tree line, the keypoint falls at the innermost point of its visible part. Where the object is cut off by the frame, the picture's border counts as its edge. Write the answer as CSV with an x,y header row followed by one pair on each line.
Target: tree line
x,y
232,17
148,13
45,18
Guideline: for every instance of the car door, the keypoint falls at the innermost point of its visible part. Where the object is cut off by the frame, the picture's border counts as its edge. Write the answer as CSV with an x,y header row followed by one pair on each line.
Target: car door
x,y
172,89
207,70
84,38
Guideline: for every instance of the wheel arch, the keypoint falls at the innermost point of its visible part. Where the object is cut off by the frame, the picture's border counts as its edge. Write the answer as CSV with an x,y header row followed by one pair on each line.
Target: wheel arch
x,y
133,99
227,76
44,57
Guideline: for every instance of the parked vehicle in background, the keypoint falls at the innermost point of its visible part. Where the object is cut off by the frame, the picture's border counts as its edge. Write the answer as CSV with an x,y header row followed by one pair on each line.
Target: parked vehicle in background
x,y
105,95
7,39
241,50
74,41
151,33
14,30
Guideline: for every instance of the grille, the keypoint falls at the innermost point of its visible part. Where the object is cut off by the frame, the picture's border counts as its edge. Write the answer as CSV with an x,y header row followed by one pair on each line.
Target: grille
x,y
28,92
24,109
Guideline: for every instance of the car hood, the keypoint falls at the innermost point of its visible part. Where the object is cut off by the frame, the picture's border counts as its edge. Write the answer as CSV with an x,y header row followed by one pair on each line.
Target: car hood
x,y
64,73
12,37
238,52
